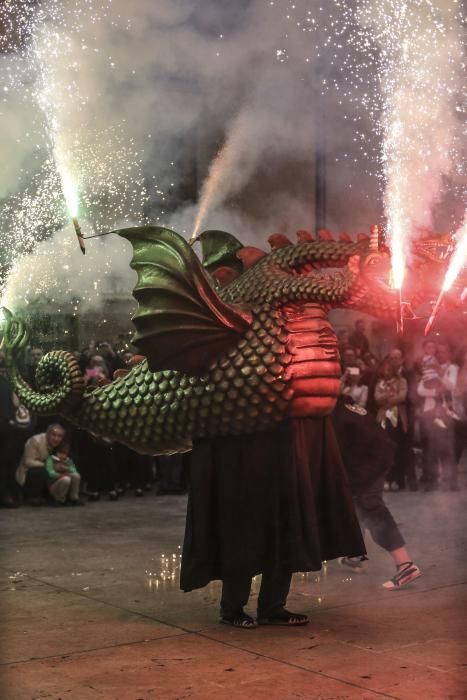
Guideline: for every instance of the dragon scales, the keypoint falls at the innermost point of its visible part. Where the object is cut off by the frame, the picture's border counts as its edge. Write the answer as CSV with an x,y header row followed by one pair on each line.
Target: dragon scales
x,y
235,344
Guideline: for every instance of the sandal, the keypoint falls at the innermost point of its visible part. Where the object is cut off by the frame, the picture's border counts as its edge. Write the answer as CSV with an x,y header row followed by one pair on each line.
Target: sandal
x,y
285,617
242,620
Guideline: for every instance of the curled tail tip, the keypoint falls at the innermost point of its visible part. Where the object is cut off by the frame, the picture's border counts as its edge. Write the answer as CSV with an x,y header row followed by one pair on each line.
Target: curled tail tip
x,y
15,332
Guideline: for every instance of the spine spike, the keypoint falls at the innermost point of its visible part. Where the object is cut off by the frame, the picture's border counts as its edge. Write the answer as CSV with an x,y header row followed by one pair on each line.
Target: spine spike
x,y
303,235
249,255
279,240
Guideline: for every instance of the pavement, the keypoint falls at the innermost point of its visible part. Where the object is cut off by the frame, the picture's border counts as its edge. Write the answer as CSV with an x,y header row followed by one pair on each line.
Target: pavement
x,y
91,610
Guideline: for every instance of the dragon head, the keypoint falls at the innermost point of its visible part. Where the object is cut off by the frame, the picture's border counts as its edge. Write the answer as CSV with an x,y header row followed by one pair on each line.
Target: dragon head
x,y
342,273
434,248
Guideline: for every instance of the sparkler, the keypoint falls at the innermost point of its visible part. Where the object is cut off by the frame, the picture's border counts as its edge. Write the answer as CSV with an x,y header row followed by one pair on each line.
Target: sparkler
x,y
71,197
398,264
455,265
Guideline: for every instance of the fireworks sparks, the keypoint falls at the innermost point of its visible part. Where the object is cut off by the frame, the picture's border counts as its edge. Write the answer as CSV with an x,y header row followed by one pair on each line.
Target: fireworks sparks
x,y
419,49
459,258
389,67
456,263
81,165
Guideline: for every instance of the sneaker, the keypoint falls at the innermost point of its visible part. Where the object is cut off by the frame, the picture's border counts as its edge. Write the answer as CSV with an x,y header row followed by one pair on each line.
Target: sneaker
x,y
357,564
387,486
76,502
394,486
406,573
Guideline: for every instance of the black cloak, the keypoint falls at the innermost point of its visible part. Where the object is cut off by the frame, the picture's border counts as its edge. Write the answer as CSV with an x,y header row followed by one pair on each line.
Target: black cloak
x,y
273,501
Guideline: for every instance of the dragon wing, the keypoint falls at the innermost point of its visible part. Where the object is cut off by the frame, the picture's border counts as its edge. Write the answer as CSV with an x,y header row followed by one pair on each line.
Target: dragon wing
x,y
181,322
220,249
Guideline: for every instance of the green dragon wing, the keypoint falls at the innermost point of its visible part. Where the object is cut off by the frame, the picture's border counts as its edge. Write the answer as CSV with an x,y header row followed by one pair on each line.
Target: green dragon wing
x,y
220,249
181,322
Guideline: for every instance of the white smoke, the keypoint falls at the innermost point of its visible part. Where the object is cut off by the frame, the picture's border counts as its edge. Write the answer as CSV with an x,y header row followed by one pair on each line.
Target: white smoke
x,y
172,81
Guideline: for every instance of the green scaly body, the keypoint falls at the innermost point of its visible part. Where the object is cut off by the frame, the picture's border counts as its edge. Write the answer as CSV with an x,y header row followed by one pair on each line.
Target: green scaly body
x,y
279,359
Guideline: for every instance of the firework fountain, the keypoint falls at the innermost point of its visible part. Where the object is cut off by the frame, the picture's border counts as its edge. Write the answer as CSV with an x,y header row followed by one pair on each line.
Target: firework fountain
x,y
371,64
456,263
420,47
91,169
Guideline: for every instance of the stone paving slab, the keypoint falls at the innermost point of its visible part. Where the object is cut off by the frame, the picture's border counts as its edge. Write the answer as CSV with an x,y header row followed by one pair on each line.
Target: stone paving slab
x,y
82,590
185,667
44,621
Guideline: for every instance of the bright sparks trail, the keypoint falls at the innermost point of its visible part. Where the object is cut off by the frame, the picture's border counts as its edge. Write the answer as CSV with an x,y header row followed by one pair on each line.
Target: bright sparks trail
x,y
457,262
55,70
420,51
54,99
228,171
209,190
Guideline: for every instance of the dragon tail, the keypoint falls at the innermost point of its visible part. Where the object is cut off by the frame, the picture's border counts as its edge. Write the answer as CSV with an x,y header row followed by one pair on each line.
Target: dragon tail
x,y
60,383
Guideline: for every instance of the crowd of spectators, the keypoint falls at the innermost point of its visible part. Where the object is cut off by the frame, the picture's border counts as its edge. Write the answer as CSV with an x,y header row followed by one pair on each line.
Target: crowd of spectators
x,y
44,460
422,406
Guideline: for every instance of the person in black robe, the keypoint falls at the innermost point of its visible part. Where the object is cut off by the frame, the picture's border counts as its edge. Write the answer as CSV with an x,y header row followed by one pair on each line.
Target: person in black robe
x,y
270,503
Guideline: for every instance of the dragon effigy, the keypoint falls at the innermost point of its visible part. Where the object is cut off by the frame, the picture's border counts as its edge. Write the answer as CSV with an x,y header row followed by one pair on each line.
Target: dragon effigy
x,y
234,343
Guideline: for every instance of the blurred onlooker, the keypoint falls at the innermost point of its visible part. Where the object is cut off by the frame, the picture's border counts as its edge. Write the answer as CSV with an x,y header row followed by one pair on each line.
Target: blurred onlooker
x,y
427,358
460,410
436,390
31,473
405,456
369,378
133,470
390,397
352,386
358,340
97,465
111,359
96,369
348,358
63,477
7,467
343,340
35,355
127,357
170,472
371,363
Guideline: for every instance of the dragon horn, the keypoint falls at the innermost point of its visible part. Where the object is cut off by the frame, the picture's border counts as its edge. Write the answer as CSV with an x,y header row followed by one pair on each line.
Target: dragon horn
x,y
374,237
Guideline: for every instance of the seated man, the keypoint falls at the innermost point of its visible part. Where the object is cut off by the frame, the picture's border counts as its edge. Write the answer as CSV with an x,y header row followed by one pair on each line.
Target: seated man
x,y
31,473
63,477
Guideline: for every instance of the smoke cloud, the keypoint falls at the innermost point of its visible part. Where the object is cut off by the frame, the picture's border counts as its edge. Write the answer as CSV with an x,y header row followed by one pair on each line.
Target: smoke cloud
x,y
145,94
